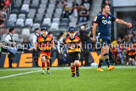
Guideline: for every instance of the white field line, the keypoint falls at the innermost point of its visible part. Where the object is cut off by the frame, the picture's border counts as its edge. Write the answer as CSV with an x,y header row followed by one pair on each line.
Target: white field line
x,y
18,74
61,68
54,68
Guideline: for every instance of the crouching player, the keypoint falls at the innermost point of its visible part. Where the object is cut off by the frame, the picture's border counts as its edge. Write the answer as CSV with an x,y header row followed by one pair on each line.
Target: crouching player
x,y
131,54
45,43
74,49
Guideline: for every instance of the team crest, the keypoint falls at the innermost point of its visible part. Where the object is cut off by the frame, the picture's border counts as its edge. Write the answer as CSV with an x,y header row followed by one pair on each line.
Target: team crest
x,y
103,17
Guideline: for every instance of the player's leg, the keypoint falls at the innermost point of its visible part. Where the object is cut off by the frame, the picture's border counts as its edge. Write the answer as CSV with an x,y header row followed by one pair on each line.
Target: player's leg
x,y
73,69
100,61
105,51
77,67
48,66
43,64
71,61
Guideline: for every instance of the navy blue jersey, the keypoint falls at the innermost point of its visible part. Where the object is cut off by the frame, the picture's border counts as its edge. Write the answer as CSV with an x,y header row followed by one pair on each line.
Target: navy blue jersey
x,y
104,24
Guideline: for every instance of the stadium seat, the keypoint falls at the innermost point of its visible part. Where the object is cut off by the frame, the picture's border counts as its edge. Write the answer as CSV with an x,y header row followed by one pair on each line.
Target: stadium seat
x,y
65,19
59,10
63,25
25,8
15,11
22,16
29,22
52,1
3,37
13,17
17,3
73,19
44,1
79,2
36,25
50,10
57,15
27,2
54,26
10,24
60,6
72,24
25,32
56,20
69,1
35,3
16,37
49,15
70,5
31,14
47,22
87,5
20,23
41,10
38,19
43,6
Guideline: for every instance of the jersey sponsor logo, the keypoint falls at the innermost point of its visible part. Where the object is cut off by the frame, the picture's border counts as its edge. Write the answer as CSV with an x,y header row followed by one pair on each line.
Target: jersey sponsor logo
x,y
106,22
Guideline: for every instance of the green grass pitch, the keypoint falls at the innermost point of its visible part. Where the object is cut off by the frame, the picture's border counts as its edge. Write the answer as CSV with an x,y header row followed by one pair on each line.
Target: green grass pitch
x,y
120,79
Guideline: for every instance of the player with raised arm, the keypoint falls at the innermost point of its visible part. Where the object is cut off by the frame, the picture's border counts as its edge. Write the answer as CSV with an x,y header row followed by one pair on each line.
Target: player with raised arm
x,y
103,21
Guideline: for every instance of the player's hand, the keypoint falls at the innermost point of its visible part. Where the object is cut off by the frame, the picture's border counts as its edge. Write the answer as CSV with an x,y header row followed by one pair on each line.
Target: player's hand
x,y
94,39
129,25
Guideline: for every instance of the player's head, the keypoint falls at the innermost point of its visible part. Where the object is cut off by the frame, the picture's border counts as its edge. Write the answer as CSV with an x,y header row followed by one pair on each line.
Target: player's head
x,y
105,8
37,30
72,32
12,30
44,31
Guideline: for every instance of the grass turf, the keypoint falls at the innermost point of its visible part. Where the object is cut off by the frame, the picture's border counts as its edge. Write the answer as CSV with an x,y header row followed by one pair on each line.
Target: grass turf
x,y
120,79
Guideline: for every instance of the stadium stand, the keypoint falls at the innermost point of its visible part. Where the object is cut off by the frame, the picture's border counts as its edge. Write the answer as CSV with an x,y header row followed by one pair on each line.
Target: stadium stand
x,y
31,14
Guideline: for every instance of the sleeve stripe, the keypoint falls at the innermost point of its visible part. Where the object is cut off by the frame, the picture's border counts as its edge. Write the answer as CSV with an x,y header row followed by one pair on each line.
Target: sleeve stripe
x,y
96,22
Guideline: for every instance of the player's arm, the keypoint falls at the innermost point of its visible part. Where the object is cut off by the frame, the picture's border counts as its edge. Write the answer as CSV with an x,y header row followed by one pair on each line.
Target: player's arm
x,y
123,22
94,31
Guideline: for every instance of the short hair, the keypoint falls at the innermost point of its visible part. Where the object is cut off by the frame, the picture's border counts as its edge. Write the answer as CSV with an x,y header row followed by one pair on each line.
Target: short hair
x,y
11,29
36,29
103,6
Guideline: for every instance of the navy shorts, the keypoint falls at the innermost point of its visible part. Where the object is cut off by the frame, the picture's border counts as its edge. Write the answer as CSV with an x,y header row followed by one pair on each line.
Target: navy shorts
x,y
104,40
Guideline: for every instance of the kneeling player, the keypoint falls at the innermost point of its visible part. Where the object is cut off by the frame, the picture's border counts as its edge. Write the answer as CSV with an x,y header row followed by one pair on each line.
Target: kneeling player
x,y
73,44
45,43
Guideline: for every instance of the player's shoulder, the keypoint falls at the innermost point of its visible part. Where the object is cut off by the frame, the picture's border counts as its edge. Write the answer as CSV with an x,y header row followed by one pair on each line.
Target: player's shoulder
x,y
77,37
49,36
99,14
39,37
67,38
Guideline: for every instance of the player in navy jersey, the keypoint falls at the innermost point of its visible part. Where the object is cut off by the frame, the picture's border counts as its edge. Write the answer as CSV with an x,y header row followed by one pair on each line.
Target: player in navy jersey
x,y
103,21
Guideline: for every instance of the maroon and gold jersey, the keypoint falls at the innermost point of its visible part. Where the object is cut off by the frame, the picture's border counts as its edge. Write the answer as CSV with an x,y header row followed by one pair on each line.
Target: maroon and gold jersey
x,y
45,44
131,51
73,44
